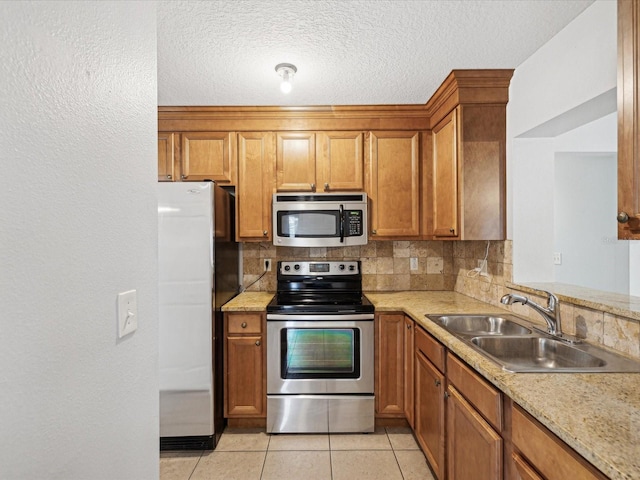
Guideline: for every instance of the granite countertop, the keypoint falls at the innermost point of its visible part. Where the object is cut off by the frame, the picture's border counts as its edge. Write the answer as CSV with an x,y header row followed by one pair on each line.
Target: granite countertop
x,y
248,302
598,415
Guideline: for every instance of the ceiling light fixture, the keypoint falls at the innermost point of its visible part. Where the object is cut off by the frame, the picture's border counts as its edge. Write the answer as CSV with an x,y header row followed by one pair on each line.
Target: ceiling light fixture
x,y
286,71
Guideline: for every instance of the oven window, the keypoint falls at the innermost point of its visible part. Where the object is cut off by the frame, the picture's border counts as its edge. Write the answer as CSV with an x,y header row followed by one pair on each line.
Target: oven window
x,y
309,224
320,353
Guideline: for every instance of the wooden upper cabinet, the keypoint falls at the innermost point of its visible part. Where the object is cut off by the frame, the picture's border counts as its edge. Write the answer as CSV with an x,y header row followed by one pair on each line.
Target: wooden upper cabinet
x,y
628,119
393,184
296,162
254,192
468,118
445,177
166,157
339,161
209,156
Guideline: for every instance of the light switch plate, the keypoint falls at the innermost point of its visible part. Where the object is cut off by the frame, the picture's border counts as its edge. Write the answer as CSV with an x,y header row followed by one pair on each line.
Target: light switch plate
x,y
127,313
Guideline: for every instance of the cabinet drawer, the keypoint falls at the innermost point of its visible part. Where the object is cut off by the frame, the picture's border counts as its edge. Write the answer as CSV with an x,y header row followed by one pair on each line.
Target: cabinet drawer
x,y
430,347
240,323
484,397
546,452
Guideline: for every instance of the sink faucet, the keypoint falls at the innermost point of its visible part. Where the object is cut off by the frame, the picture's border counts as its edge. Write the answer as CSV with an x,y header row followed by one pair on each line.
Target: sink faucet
x,y
550,313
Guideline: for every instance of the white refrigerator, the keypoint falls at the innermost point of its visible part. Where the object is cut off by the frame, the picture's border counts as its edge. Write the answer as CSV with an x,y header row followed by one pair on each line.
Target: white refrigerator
x,y
198,273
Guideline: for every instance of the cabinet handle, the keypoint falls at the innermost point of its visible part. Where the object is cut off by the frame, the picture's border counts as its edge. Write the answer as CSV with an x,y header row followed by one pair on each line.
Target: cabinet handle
x,y
169,177
257,343
373,232
437,382
408,327
264,233
243,324
623,217
313,187
183,177
326,186
446,395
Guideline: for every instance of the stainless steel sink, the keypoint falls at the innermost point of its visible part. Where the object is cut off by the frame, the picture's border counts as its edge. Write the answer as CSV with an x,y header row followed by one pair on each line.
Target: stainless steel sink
x,y
535,353
480,325
518,346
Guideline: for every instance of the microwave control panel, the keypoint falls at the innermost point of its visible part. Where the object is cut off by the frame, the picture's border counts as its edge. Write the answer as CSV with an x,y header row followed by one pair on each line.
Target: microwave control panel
x,y
353,223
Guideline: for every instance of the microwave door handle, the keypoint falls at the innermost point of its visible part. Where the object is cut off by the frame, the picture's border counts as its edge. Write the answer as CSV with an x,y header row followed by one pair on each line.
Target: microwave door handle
x,y
341,224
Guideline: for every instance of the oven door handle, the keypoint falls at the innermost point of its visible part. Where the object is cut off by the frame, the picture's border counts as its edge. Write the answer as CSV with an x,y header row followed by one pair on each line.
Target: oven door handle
x,y
315,317
341,224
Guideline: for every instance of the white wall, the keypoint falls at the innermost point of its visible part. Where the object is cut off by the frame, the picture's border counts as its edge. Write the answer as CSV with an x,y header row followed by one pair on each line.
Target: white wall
x,y
79,224
567,83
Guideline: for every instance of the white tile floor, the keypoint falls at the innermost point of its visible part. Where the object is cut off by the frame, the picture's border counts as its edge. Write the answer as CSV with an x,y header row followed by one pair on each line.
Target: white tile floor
x,y
244,454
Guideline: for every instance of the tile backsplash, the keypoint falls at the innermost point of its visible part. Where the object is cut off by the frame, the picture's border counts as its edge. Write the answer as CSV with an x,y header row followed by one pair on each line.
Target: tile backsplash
x,y
446,265
386,265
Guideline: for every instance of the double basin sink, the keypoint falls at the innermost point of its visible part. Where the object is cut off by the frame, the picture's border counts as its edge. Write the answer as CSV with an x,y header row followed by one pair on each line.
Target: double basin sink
x,y
518,346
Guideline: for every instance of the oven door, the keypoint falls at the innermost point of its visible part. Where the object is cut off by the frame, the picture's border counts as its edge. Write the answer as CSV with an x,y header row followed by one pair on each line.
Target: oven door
x,y
320,354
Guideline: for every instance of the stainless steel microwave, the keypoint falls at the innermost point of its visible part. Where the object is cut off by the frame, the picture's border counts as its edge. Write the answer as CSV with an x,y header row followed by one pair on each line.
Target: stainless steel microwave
x,y
319,219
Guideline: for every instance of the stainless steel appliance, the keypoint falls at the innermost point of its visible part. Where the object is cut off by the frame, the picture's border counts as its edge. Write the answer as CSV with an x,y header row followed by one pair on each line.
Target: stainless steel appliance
x,y
320,350
319,219
198,273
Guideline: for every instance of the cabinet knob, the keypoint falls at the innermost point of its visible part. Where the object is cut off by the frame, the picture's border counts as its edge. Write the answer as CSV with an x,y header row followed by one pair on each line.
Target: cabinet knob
x,y
313,187
623,217
183,177
169,177
373,232
408,327
257,343
326,186
446,395
452,230
243,324
264,232
437,382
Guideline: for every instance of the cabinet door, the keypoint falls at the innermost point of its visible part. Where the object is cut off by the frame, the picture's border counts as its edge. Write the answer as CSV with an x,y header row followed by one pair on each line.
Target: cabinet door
x,y
393,171
166,157
209,156
339,161
390,365
296,162
244,387
629,118
445,177
256,158
429,422
474,449
524,471
409,327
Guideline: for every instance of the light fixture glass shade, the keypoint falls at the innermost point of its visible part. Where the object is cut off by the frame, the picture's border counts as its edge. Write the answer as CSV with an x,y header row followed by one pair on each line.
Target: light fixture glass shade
x,y
286,71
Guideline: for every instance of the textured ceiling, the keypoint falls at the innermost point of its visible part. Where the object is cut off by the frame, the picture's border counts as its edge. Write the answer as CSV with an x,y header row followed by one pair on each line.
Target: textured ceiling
x,y
348,52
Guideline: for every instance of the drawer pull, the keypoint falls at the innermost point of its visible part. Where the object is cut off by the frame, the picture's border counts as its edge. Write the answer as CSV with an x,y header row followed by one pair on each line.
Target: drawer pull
x,y
243,324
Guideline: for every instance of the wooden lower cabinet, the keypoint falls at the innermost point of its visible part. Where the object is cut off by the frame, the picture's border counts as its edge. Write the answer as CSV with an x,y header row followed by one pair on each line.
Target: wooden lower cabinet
x,y
537,451
245,365
389,383
429,421
474,448
409,362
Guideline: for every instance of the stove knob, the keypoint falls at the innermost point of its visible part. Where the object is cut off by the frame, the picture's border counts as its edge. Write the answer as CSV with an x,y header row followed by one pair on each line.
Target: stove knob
x,y
341,267
296,267
352,268
287,268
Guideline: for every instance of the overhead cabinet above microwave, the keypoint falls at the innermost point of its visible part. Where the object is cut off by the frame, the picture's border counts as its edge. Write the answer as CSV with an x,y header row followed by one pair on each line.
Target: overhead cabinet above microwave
x,y
319,220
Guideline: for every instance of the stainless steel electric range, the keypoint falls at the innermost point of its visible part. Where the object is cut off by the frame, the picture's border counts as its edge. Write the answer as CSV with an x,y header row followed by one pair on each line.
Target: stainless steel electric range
x,y
320,350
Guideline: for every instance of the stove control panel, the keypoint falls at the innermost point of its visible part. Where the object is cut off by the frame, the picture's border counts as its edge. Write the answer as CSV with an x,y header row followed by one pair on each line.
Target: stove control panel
x,y
319,268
